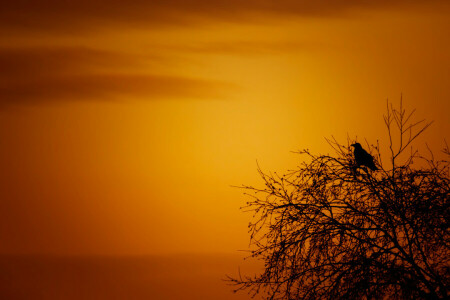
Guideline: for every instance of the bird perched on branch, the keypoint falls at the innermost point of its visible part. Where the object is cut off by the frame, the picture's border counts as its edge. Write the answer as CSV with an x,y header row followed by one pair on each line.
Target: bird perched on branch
x,y
362,157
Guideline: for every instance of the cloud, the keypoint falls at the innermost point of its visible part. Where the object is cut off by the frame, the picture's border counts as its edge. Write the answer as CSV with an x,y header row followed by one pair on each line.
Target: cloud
x,y
72,16
42,61
37,74
61,73
238,47
73,73
109,86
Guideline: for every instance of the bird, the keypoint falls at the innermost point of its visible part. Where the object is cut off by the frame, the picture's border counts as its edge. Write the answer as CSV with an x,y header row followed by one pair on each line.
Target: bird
x,y
362,157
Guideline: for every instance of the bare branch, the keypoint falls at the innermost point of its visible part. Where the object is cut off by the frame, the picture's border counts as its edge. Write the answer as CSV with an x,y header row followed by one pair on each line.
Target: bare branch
x,y
333,230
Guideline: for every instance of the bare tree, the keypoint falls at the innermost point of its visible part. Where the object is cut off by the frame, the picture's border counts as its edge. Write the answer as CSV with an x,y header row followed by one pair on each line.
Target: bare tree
x,y
334,230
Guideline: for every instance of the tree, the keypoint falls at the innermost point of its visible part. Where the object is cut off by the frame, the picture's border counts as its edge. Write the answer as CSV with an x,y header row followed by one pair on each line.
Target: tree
x,y
334,230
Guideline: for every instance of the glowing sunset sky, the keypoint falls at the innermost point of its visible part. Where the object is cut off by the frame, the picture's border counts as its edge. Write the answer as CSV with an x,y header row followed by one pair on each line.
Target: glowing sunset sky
x,y
123,124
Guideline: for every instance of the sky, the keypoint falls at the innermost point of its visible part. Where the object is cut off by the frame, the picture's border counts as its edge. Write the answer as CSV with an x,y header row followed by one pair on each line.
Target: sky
x,y
124,125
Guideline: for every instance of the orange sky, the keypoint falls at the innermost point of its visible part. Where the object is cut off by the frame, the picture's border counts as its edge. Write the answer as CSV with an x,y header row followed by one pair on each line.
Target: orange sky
x,y
123,125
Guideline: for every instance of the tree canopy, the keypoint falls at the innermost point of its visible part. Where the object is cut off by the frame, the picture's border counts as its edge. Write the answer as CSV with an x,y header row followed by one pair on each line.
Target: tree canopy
x,y
332,229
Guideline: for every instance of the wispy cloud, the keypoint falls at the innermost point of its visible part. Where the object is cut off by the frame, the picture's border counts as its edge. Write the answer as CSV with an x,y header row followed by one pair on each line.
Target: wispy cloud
x,y
237,47
71,16
26,62
55,73
74,73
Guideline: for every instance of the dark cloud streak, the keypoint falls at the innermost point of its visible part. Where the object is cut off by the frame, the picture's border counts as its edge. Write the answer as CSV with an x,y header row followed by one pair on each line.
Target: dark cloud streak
x,y
73,16
41,61
107,86
35,75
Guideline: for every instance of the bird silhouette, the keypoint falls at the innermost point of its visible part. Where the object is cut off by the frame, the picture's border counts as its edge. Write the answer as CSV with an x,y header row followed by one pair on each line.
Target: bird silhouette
x,y
362,157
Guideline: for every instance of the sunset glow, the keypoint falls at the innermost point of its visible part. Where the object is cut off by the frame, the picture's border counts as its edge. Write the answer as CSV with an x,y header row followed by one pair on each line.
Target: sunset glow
x,y
123,125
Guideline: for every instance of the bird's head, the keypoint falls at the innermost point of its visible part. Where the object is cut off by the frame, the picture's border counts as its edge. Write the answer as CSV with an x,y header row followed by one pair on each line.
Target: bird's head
x,y
356,145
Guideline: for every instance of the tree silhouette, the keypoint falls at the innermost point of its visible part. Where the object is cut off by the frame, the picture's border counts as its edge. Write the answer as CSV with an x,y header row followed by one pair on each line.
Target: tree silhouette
x,y
333,230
